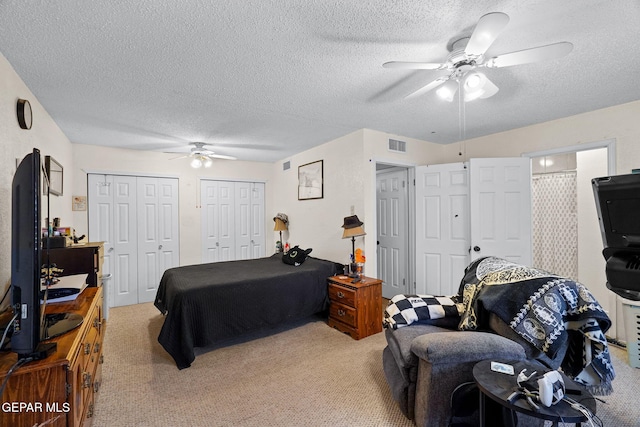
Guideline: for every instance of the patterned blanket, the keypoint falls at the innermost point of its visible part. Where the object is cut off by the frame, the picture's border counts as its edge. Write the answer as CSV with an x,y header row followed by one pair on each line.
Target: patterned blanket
x,y
406,309
544,309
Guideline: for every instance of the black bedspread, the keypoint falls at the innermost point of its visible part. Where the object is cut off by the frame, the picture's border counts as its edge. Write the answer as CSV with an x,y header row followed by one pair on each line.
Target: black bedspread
x,y
209,303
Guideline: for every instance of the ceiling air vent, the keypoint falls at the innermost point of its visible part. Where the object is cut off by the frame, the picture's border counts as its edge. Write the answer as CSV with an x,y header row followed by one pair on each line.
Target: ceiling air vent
x,y
397,146
286,165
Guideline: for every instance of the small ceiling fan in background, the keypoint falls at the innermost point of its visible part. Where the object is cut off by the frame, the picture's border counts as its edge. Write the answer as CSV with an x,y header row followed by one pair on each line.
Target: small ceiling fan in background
x,y
201,156
467,56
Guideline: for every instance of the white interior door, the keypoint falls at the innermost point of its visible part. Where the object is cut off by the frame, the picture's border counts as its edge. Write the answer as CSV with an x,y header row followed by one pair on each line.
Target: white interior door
x,y
242,217
392,250
125,241
100,212
137,219
258,236
501,208
158,241
442,227
232,220
217,221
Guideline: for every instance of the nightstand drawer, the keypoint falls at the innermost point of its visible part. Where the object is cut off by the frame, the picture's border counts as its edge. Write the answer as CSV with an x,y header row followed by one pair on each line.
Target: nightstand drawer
x,y
343,313
342,295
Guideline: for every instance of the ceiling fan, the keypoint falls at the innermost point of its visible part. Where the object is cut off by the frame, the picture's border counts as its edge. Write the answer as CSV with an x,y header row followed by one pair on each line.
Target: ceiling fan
x,y
201,156
467,56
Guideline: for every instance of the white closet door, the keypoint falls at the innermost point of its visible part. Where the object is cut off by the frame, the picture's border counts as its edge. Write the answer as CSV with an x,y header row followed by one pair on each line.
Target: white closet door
x,y
100,207
242,215
137,219
125,241
232,220
217,218
258,236
157,232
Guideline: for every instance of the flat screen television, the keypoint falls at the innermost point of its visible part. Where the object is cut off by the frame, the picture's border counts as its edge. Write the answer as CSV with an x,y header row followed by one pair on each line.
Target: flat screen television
x,y
618,205
31,326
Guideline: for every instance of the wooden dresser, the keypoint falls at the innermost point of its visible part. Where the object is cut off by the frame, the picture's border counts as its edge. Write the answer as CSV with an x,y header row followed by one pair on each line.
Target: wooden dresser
x,y
59,391
355,308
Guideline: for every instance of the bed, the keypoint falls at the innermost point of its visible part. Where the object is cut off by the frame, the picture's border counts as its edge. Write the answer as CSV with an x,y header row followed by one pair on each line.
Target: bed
x,y
206,304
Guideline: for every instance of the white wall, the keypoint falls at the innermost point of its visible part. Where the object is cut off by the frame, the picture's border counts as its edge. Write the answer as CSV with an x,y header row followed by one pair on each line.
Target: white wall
x,y
619,122
591,263
90,158
15,143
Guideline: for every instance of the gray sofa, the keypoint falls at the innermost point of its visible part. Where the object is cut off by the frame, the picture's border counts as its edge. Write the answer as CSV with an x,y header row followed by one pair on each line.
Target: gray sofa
x,y
423,363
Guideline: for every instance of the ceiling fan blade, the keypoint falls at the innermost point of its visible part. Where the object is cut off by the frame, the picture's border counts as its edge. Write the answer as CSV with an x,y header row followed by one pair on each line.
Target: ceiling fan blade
x,y
527,56
221,156
424,89
413,65
180,157
487,29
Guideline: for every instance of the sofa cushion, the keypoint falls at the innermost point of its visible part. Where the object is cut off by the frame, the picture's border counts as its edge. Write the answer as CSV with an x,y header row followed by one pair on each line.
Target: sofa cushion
x,y
399,343
453,347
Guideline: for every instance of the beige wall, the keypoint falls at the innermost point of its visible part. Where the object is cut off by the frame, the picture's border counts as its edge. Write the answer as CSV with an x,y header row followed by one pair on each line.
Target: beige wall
x,y
15,143
620,123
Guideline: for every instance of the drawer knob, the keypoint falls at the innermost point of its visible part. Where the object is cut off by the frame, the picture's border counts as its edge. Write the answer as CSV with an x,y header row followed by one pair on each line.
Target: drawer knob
x,y
87,348
340,294
341,313
86,380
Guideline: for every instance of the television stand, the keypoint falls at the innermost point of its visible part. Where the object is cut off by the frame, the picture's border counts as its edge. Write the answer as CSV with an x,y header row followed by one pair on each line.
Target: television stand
x,y
67,383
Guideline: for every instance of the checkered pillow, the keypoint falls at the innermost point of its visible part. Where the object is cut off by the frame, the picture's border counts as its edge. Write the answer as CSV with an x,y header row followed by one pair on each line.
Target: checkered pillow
x,y
403,309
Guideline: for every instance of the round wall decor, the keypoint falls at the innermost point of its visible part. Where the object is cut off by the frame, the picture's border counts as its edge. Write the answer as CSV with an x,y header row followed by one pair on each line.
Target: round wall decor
x,y
23,111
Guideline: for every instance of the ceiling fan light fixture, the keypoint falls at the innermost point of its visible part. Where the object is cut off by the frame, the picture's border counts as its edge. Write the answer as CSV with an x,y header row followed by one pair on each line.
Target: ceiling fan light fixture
x,y
208,162
448,90
478,86
196,163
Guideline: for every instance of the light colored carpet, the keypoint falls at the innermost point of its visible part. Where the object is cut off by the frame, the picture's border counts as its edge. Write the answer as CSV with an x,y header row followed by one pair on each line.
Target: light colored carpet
x,y
307,374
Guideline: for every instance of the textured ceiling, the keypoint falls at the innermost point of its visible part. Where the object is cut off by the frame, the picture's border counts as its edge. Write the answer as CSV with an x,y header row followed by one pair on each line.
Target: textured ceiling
x,y
262,80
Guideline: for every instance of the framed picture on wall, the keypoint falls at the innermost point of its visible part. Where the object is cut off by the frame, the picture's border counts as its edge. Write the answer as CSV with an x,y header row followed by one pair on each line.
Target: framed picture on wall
x,y
54,173
310,181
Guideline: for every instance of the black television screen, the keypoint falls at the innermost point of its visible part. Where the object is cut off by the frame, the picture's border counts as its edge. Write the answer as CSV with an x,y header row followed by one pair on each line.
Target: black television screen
x,y
618,205
25,254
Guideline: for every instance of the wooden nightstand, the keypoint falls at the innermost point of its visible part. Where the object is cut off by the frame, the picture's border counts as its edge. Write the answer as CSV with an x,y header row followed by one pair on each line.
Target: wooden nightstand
x,y
355,308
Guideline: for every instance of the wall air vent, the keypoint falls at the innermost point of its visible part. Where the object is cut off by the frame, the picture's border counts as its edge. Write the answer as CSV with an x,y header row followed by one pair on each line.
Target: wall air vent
x,y
397,146
286,165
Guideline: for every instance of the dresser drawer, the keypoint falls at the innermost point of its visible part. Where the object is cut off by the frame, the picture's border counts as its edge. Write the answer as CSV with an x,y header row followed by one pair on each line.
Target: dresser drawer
x,y
342,295
343,313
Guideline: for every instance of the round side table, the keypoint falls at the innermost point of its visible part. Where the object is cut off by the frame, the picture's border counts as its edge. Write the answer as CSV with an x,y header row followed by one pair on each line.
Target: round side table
x,y
499,386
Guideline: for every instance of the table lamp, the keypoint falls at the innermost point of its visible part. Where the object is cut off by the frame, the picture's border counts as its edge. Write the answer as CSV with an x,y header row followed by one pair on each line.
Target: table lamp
x,y
352,228
281,222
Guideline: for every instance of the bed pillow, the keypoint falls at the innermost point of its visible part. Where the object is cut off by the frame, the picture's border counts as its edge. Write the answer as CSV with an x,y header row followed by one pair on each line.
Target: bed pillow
x,y
296,256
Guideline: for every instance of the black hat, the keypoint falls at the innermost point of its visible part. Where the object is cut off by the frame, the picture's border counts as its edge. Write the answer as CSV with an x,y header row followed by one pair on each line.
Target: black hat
x,y
352,222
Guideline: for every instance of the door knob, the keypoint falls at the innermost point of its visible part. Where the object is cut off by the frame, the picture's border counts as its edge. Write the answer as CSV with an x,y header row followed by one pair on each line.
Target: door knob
x,y
476,248
160,247
110,250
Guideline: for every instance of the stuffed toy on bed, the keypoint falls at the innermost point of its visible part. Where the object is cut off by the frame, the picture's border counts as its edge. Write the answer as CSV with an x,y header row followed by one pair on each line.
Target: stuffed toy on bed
x,y
296,256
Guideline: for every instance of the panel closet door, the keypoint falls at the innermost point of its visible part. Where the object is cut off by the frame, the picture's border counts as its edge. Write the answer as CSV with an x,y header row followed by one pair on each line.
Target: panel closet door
x,y
157,232
137,219
232,220
464,212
